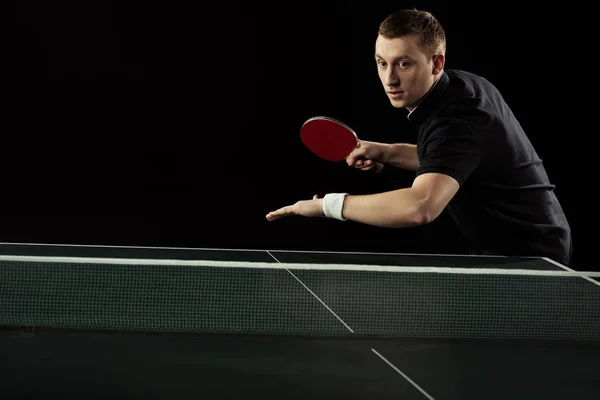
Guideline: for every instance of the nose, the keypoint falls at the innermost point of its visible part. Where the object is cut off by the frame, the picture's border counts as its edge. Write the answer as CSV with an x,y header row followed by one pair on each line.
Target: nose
x,y
391,79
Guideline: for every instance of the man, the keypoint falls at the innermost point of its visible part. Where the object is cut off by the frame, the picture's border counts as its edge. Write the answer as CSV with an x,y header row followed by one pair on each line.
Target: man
x,y
472,157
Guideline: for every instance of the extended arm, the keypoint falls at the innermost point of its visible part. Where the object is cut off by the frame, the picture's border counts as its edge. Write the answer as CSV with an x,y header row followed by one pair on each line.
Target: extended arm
x,y
419,204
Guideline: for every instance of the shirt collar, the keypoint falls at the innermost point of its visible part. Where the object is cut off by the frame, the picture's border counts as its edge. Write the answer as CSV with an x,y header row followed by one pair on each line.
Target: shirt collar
x,y
428,101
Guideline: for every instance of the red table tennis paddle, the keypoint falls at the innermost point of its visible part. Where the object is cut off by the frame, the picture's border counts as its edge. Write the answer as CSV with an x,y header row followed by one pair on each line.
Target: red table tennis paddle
x,y
328,138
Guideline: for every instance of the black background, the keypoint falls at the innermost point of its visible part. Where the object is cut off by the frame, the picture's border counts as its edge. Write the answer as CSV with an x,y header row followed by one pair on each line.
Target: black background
x,y
177,123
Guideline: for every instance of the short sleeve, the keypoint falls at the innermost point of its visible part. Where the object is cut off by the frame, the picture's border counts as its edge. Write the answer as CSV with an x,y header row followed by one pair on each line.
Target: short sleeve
x,y
452,146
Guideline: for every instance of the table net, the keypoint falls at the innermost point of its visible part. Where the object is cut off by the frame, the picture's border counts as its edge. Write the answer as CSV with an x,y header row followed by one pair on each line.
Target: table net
x,y
296,299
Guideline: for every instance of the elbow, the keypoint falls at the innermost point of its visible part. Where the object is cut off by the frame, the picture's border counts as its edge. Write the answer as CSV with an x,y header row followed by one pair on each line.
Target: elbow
x,y
421,218
423,215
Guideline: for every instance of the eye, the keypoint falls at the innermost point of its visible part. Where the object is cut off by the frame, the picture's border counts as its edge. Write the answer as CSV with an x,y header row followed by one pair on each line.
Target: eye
x,y
403,64
381,63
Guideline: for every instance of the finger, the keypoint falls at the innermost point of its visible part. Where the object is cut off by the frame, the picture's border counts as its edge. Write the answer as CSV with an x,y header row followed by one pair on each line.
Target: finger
x,y
353,157
356,156
282,212
272,216
367,165
364,165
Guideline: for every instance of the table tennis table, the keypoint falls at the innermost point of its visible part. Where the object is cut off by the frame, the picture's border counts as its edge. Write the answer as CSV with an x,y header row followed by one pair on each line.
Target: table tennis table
x,y
87,321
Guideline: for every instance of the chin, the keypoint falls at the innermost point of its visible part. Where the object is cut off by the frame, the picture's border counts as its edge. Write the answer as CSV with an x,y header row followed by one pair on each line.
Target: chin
x,y
398,104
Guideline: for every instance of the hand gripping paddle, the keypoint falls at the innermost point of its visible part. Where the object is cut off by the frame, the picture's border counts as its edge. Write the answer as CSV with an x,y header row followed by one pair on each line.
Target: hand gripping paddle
x,y
328,138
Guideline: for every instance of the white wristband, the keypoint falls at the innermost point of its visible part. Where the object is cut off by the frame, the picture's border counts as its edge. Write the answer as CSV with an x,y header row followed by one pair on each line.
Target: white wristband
x,y
333,204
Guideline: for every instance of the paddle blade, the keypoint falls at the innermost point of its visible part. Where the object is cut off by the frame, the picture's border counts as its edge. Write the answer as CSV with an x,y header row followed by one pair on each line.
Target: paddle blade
x,y
328,138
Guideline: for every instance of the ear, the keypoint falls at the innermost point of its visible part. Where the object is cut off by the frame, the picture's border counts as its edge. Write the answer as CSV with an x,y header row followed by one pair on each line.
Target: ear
x,y
438,63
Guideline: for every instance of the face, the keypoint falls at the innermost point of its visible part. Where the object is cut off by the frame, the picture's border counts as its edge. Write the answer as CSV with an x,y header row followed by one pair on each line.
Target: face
x,y
405,71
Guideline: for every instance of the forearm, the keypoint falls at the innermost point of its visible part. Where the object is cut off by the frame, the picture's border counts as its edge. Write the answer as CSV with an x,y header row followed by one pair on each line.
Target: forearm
x,y
394,209
401,155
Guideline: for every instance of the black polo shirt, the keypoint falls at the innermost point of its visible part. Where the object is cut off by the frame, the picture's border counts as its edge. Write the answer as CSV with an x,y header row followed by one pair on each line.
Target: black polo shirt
x,y
506,204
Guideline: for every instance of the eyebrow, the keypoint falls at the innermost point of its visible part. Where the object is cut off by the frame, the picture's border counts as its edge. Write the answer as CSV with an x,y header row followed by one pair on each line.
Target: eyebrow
x,y
396,58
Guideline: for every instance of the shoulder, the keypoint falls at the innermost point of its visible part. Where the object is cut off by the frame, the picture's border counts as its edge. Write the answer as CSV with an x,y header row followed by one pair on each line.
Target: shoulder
x,y
459,77
459,100
463,85
468,99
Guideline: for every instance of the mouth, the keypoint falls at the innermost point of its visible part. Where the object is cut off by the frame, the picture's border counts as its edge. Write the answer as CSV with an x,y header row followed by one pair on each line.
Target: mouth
x,y
396,94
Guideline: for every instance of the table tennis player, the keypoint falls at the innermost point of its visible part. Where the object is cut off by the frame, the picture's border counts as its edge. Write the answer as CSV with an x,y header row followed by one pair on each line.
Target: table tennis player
x,y
471,155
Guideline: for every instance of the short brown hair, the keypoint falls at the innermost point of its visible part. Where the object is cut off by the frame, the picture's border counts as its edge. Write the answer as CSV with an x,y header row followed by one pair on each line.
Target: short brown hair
x,y
413,22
